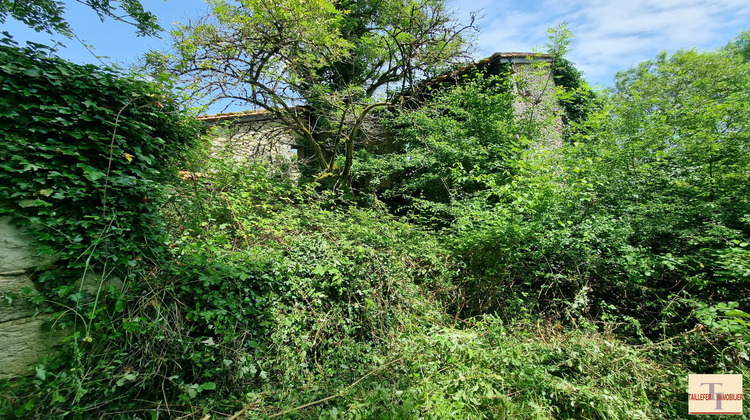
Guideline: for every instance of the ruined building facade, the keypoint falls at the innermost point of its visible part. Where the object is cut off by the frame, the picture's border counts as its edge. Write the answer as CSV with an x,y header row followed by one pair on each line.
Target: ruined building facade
x,y
256,135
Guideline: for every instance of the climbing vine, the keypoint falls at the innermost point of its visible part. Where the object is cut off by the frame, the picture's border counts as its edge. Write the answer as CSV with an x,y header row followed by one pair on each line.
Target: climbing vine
x,y
82,152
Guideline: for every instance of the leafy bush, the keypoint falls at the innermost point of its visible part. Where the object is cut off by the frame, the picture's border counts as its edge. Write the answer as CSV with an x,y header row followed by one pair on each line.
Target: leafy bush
x,y
671,159
83,155
542,248
642,223
278,287
463,139
83,151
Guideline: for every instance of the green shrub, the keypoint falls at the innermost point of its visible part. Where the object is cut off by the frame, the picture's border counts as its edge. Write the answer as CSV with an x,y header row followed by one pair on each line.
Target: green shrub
x,y
463,139
84,154
277,287
83,151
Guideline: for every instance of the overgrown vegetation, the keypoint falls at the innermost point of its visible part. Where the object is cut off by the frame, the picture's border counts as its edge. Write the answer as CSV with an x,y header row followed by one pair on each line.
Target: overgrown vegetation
x,y
447,151
84,151
478,274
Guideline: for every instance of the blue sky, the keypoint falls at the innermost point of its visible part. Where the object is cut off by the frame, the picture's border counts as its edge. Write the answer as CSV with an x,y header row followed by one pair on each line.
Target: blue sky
x,y
610,35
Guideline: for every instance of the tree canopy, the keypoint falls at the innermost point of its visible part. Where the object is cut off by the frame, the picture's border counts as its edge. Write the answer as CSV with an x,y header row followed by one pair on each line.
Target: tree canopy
x,y
48,15
337,59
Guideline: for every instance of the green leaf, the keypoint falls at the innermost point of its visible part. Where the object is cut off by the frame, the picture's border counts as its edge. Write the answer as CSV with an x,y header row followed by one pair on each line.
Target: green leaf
x,y
207,386
33,203
737,312
41,373
91,173
319,270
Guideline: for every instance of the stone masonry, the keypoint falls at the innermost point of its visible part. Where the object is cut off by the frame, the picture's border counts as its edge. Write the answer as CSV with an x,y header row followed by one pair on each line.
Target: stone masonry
x,y
22,339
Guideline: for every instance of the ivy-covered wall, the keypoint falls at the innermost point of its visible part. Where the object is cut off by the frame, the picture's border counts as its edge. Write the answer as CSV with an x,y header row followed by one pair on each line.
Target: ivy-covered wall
x,y
83,153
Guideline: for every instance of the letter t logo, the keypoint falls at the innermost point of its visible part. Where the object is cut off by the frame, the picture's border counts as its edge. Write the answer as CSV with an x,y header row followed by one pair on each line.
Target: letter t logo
x,y
712,394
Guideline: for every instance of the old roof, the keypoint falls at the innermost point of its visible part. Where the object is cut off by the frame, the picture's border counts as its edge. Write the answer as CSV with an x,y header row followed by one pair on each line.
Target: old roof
x,y
232,115
498,57
241,116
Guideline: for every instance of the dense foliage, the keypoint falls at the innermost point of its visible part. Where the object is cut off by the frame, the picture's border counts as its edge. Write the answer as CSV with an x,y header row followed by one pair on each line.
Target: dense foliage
x,y
671,158
83,153
643,221
479,274
274,287
443,153
574,95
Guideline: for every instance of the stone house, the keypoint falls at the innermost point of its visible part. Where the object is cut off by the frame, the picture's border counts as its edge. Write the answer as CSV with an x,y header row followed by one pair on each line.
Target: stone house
x,y
256,135
251,135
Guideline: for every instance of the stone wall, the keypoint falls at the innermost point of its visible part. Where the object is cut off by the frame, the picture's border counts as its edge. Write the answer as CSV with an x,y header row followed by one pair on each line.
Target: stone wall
x,y
22,339
536,102
251,135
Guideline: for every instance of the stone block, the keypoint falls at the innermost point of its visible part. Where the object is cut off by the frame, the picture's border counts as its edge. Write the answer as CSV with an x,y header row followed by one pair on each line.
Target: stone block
x,y
22,342
16,251
13,303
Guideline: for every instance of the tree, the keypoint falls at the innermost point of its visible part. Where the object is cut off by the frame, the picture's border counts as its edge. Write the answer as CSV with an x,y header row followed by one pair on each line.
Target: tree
x,y
669,156
573,93
320,67
47,15
740,45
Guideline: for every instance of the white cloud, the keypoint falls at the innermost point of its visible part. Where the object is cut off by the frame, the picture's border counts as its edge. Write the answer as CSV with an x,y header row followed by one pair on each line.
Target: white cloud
x,y
611,35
